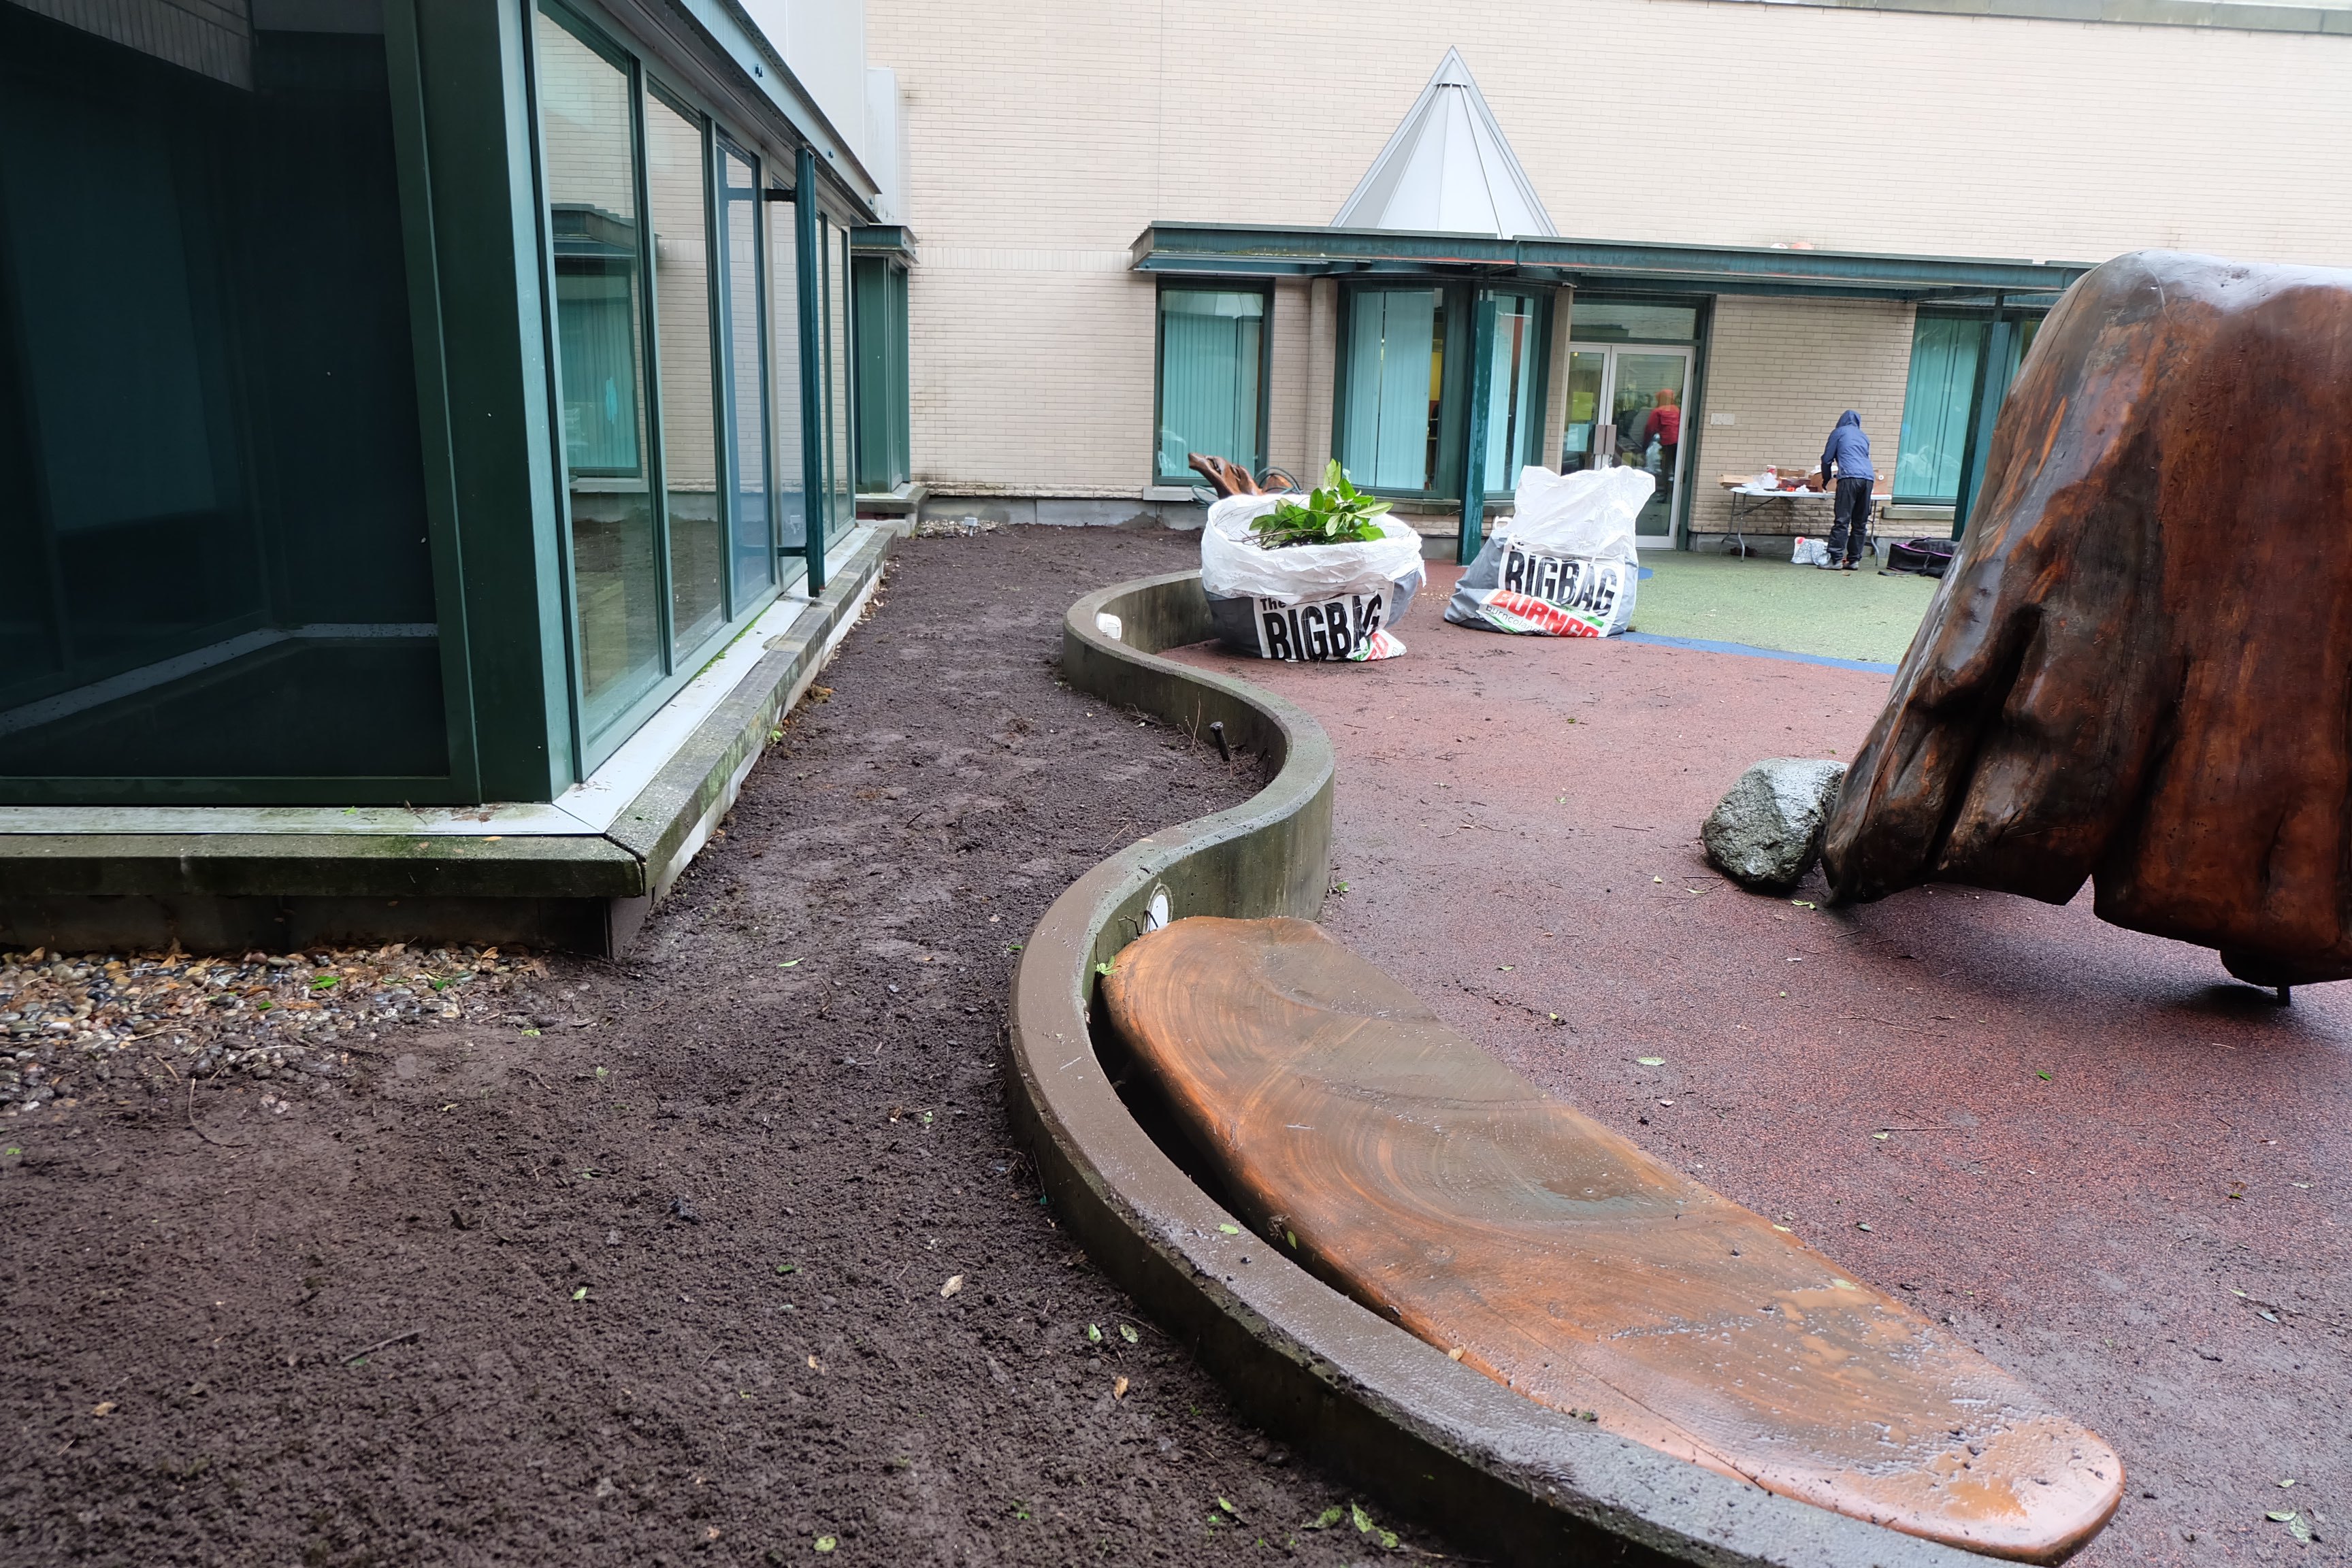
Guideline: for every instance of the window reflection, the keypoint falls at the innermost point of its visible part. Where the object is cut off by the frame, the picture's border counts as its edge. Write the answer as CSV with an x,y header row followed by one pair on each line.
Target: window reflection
x,y
212,497
592,181
784,375
1511,391
747,422
677,188
842,512
1395,373
1211,344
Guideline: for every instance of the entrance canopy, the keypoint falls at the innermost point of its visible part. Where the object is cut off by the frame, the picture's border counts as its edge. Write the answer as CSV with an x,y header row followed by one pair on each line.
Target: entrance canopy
x,y
1260,250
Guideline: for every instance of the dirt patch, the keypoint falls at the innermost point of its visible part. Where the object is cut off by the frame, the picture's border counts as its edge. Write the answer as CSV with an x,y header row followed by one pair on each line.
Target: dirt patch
x,y
723,1254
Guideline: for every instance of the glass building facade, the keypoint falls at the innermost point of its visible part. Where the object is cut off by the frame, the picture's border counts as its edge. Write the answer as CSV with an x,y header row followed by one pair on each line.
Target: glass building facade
x,y
344,460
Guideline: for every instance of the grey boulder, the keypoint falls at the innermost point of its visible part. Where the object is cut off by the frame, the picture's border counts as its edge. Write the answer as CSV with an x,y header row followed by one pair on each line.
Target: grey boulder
x,y
1766,832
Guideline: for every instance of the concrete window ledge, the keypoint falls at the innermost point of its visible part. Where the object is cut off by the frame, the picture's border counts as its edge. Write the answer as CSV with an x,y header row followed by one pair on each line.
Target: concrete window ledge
x,y
580,872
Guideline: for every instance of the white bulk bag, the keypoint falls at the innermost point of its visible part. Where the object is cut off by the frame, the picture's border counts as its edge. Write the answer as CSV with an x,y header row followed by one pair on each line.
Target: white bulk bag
x,y
1307,602
1565,564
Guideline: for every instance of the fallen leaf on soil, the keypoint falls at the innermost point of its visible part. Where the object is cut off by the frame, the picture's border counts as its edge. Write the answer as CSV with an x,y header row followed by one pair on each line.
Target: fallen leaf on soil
x,y
1126,1332
813,1365
1227,1507
1650,1061
581,1294
1118,1389
789,964
826,1543
1093,1334
1229,1230
108,1408
954,1284
1326,1518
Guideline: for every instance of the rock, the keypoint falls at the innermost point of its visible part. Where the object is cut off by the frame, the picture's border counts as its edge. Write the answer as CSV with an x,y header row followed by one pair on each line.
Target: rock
x,y
1766,831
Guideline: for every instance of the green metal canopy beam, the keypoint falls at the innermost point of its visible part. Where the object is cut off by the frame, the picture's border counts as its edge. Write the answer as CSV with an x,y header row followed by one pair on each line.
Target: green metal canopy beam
x,y
1260,249
895,240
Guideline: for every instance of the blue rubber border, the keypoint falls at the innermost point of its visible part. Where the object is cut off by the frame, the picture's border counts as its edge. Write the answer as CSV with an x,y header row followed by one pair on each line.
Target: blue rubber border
x,y
1703,645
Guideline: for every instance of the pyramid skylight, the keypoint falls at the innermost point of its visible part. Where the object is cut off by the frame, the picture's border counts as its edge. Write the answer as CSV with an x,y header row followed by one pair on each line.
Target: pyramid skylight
x,y
1448,168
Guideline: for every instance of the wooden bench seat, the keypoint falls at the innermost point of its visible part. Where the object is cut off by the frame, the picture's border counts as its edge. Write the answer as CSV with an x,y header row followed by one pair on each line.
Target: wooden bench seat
x,y
1407,1167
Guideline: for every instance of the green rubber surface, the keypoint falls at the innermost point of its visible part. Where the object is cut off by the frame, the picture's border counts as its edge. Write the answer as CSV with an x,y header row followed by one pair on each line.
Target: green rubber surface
x,y
1770,604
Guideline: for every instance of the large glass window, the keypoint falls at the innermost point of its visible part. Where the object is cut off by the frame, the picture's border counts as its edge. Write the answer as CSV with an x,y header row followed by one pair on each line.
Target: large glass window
x,y
842,514
784,372
1393,377
1944,352
676,180
883,461
214,579
1633,321
1212,378
1514,397
591,172
747,409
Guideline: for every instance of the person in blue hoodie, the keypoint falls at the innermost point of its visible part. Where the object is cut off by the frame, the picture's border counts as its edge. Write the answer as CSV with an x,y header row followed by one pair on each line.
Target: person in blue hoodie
x,y
1848,458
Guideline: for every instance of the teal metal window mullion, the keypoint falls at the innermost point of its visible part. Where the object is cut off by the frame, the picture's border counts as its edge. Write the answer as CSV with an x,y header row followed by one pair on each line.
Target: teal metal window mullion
x,y
1473,455
717,310
576,670
648,308
812,366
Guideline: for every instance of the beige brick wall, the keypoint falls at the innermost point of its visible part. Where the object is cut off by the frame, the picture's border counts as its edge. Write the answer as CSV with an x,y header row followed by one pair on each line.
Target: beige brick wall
x,y
1783,371
1056,131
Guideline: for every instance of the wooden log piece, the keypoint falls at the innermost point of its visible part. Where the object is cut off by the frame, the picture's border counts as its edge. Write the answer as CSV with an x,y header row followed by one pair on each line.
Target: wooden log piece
x,y
2140,667
1408,1168
1226,479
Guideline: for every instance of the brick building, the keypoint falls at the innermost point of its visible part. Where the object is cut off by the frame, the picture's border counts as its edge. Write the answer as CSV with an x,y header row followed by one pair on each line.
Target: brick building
x,y
1774,206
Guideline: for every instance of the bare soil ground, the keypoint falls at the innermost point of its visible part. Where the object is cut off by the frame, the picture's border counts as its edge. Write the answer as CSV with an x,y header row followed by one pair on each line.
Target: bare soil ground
x,y
720,1255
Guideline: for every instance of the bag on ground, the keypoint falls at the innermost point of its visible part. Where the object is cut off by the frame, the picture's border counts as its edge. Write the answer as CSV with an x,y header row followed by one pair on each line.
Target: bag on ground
x,y
1926,557
1564,564
1809,553
1310,603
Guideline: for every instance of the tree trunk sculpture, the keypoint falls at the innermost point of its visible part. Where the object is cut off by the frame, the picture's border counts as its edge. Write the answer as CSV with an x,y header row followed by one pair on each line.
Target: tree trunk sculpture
x,y
2140,667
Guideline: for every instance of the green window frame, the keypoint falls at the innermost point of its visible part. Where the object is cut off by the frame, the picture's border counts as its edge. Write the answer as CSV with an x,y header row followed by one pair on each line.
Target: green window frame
x,y
885,459
728,590
1404,371
1937,396
1213,362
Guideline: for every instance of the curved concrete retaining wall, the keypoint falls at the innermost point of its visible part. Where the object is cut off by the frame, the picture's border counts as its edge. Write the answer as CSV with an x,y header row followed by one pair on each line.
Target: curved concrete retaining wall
x,y
1425,1435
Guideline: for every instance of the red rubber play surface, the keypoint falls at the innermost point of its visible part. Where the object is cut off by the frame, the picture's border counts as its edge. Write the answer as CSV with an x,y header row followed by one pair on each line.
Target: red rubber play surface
x,y
2116,1172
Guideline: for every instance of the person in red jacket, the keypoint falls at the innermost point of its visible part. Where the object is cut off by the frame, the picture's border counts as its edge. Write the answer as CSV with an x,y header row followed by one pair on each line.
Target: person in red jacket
x,y
1665,426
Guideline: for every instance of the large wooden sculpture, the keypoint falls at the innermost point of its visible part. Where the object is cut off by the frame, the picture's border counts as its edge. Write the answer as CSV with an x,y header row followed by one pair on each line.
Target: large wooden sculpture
x,y
1388,1154
2139,669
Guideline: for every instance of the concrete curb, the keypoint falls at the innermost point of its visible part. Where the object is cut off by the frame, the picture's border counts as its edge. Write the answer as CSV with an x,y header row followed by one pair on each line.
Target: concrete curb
x,y
1425,1435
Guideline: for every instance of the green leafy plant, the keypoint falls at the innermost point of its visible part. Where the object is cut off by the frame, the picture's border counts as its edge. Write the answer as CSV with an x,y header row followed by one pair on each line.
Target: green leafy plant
x,y
1335,512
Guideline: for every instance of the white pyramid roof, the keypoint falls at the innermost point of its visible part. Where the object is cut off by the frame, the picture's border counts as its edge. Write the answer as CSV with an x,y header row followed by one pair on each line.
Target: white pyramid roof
x,y
1449,168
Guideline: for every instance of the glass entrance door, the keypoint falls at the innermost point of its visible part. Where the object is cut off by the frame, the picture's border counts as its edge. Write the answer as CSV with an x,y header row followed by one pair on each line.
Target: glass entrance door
x,y
1625,407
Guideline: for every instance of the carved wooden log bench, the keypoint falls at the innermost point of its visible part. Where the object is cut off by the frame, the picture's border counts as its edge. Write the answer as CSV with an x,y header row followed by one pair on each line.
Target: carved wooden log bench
x,y
1408,1168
